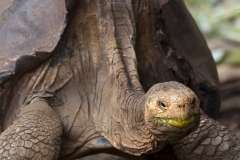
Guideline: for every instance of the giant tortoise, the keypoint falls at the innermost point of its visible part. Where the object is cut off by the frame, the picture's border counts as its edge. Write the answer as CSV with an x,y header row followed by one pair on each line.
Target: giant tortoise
x,y
115,79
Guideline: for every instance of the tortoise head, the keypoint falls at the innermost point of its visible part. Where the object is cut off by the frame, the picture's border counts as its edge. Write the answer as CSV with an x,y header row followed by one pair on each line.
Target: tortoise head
x,y
172,111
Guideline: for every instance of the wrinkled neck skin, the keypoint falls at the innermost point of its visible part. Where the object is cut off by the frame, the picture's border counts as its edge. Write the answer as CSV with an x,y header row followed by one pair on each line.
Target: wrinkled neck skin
x,y
119,115
121,121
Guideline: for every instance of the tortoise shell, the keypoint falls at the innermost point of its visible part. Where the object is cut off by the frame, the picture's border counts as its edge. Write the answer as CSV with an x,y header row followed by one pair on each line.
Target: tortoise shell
x,y
29,32
193,64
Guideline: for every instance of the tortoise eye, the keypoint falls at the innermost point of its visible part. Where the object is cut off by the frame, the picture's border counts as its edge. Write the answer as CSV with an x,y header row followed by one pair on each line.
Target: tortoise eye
x,y
161,104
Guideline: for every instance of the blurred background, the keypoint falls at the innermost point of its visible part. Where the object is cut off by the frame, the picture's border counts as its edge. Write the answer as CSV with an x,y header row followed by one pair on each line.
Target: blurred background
x,y
219,21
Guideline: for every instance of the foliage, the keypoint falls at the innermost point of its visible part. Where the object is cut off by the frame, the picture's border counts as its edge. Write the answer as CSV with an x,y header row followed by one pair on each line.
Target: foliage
x,y
218,19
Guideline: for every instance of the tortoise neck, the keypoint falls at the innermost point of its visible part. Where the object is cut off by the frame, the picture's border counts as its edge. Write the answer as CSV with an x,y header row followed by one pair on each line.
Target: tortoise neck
x,y
135,127
120,117
122,123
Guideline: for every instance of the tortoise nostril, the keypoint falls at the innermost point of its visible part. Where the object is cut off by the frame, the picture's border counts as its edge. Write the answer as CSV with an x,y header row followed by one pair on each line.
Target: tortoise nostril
x,y
182,106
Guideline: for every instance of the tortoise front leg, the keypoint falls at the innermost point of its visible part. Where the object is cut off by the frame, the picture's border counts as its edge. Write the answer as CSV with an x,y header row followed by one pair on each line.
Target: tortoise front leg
x,y
210,141
35,134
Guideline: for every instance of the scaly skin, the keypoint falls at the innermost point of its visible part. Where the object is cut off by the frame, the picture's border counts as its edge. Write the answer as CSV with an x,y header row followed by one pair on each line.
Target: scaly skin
x,y
35,134
94,72
209,142
123,99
